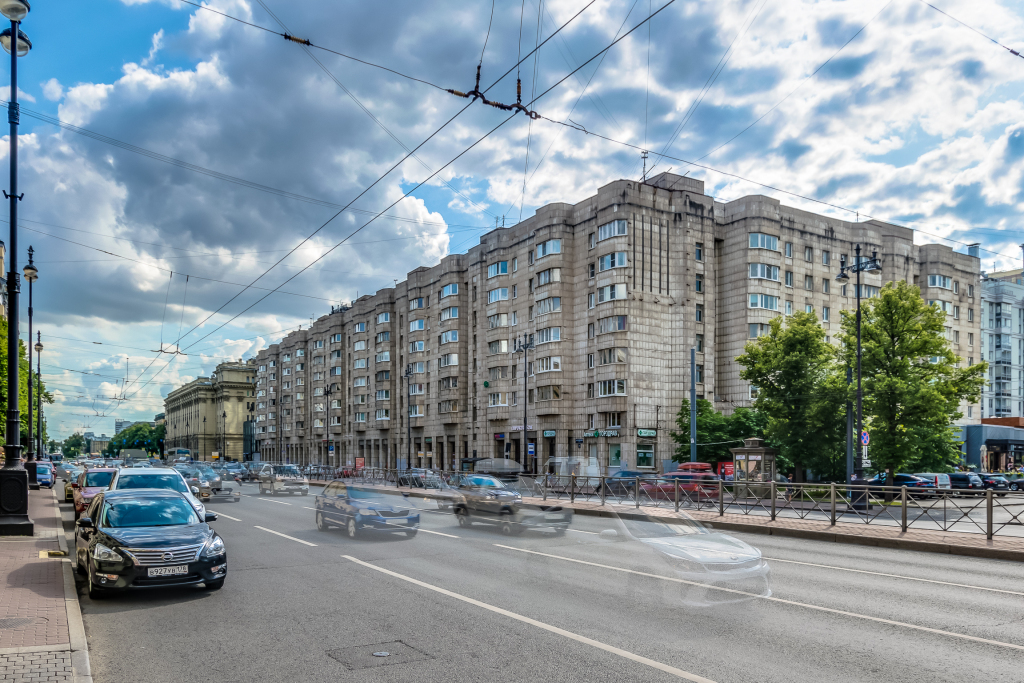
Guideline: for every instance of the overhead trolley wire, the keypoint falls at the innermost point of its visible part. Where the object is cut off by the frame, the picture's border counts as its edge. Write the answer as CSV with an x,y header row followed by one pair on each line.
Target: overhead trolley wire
x,y
968,26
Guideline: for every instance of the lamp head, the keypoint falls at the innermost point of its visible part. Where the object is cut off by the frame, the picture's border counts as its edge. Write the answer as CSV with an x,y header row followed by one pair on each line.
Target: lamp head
x,y
39,347
31,272
842,277
24,44
14,10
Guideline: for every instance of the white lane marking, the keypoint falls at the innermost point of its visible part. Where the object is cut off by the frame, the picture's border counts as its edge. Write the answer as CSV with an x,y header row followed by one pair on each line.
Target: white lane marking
x,y
580,531
290,538
268,500
436,533
308,508
819,608
896,576
221,514
540,624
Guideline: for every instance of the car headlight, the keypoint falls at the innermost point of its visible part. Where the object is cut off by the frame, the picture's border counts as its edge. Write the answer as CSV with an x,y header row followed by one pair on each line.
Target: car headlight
x,y
214,548
105,554
367,512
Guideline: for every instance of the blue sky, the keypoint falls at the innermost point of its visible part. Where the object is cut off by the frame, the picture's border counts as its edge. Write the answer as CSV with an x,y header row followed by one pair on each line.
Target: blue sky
x,y
915,119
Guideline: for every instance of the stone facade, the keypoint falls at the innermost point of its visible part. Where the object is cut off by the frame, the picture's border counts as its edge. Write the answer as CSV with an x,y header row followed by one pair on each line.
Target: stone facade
x,y
207,415
614,292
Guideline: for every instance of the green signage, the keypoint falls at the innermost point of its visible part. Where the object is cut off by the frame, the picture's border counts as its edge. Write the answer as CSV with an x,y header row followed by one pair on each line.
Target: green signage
x,y
549,432
647,432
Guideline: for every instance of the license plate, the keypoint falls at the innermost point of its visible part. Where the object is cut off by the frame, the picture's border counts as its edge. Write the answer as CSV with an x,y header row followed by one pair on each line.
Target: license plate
x,y
554,518
168,571
398,521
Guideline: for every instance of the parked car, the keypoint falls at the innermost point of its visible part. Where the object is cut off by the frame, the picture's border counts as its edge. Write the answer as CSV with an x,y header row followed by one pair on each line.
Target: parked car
x,y
623,481
913,482
70,477
486,499
941,480
1016,484
274,479
90,482
147,538
363,510
156,478
44,474
996,482
691,485
965,483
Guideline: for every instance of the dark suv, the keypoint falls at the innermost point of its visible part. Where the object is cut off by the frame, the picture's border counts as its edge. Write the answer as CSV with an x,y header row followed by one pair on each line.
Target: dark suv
x,y
486,499
966,483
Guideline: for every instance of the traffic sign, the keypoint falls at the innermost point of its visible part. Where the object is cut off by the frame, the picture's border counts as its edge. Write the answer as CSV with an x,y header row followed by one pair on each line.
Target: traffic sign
x,y
865,438
530,449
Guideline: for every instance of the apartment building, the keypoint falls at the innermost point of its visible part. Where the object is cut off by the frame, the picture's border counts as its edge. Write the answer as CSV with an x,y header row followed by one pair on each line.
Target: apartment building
x,y
207,415
613,292
1002,343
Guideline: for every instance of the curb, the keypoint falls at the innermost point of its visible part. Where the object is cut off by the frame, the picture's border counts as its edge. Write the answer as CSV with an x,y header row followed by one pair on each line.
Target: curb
x,y
80,667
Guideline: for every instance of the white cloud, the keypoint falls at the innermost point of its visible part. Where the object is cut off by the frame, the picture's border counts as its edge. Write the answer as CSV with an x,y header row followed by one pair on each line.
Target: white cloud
x,y
52,90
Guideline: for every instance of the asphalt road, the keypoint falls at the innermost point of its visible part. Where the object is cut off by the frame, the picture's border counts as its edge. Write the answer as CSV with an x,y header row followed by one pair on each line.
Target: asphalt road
x,y
453,605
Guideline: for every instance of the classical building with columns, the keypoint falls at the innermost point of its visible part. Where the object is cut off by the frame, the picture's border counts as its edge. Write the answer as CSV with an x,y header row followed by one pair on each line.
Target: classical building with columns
x,y
613,292
207,415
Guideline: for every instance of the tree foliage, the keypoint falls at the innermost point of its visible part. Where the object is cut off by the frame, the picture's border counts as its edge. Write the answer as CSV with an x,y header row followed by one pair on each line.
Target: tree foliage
x,y
716,433
23,374
140,435
913,388
73,446
802,390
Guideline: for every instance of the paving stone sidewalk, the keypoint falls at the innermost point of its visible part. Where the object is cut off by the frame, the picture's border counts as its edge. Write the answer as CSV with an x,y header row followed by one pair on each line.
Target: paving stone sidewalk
x,y
36,641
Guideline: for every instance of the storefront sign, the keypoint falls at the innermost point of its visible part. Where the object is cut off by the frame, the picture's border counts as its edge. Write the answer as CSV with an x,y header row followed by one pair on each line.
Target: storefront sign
x,y
499,437
601,432
359,463
427,439
549,432
519,428
647,432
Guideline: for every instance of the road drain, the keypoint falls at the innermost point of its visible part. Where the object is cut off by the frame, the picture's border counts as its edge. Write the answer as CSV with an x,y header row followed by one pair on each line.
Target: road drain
x,y
376,655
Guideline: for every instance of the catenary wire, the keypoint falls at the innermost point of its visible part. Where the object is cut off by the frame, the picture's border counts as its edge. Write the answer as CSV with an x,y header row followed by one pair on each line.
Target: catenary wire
x,y
968,26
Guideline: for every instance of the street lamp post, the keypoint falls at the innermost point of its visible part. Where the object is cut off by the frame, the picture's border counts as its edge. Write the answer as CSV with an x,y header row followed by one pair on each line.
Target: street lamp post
x,y
327,411
202,444
14,518
31,274
523,346
408,415
859,266
39,394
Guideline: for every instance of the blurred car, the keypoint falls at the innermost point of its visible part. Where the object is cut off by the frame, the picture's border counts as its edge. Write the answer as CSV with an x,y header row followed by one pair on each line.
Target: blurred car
x,y
363,510
623,481
941,480
234,470
998,483
486,499
909,480
691,486
90,482
966,483
141,463
1016,484
70,477
211,484
147,538
156,478
275,479
44,474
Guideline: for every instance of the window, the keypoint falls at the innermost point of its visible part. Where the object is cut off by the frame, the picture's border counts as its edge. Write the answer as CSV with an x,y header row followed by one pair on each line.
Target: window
x,y
552,303
499,346
591,300
825,314
759,240
765,301
808,254
611,387
552,392
590,391
383,357
612,420
956,312
335,338
809,308
499,320
299,367
515,265
789,278
826,258
591,240
763,271
940,281
415,411
359,363
613,229
299,353
548,364
547,276
698,283
611,293
609,261
448,407
497,399
383,394
944,306
699,374
842,290
549,247
759,330
867,291
548,334
591,270
359,327
499,294
809,283
383,318
383,337
700,343
789,250
590,360
336,354
789,308
612,355
970,291
970,339
449,336
383,414
287,358
287,371
448,359
698,251
956,336
337,370
360,381
590,331
825,285
515,291
263,368
449,313
416,346
530,255
699,313
360,417
273,363
499,268
359,399
496,373
615,323
415,303
970,314
419,324
418,368
449,290
417,389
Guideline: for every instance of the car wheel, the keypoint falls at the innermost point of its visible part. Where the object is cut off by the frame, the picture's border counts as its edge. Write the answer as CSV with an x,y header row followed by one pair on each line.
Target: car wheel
x,y
1013,486
507,529
320,526
463,516
79,569
411,533
305,493
94,593
351,528
214,585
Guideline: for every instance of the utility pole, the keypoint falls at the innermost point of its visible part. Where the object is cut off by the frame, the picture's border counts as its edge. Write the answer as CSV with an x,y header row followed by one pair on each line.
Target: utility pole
x,y
408,418
693,404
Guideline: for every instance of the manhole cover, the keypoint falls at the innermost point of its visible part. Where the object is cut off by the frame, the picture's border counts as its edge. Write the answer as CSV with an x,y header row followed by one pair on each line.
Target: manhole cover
x,y
15,622
377,654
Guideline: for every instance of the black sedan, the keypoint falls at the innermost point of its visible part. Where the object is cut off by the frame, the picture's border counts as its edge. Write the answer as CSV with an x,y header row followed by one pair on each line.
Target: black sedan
x,y
998,483
362,511
147,538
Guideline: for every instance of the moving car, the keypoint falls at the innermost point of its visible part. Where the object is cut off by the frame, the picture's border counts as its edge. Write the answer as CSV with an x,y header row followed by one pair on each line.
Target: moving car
x,y
362,510
147,538
623,481
967,483
70,477
692,485
44,474
156,478
486,499
274,479
909,480
941,480
90,482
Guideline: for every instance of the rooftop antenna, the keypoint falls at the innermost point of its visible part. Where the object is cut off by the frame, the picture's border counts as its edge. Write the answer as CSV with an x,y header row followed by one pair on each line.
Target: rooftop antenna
x,y
643,155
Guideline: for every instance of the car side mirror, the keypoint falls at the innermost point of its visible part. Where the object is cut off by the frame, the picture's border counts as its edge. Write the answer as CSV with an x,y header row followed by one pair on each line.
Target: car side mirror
x,y
210,517
85,522
195,490
74,486
609,533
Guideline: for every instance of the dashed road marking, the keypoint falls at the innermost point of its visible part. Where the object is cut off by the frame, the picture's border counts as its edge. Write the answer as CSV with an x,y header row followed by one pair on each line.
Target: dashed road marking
x,y
290,538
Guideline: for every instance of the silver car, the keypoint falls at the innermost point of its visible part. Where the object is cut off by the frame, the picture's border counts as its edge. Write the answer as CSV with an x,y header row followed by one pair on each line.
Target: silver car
x,y
157,478
275,479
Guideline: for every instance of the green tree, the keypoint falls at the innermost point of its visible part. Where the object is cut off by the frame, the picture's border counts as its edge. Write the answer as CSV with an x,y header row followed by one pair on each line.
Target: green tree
x,y
716,433
140,435
73,446
912,385
23,376
802,390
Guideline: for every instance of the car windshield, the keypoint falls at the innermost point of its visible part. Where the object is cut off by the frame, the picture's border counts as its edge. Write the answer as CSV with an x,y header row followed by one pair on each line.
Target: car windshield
x,y
650,528
169,480
482,482
287,470
98,478
136,512
364,494
207,472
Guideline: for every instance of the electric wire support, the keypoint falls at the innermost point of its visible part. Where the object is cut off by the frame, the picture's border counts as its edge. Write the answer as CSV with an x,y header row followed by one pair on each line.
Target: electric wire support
x,y
476,94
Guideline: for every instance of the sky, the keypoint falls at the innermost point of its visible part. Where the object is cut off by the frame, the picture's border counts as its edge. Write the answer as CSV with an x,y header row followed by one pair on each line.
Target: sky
x,y
171,156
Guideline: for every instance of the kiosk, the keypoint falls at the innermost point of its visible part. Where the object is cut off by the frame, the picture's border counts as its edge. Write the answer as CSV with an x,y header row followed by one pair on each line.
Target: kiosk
x,y
754,469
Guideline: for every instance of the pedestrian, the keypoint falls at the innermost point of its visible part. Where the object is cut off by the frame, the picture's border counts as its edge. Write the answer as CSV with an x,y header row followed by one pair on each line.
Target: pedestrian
x,y
790,489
